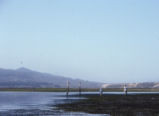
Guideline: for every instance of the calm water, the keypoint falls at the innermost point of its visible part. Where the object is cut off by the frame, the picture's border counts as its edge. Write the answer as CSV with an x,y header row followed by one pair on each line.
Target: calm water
x,y
34,104
42,104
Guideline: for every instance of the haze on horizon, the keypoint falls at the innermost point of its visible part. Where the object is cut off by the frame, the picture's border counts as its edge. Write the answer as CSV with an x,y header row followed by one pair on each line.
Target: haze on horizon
x,y
97,40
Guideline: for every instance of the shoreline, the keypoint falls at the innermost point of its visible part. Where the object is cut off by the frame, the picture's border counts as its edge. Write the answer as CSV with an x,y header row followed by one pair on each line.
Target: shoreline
x,y
76,89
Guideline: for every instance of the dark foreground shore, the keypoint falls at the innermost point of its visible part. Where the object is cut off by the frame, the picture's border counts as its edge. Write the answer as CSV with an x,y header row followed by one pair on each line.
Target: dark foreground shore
x,y
115,105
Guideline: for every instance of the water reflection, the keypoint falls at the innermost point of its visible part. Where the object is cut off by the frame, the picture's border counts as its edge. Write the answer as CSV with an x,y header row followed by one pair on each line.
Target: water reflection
x,y
34,104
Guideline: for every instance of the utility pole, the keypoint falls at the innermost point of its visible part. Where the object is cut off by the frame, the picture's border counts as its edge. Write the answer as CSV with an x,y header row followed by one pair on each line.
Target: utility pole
x,y
68,88
80,90
125,89
101,91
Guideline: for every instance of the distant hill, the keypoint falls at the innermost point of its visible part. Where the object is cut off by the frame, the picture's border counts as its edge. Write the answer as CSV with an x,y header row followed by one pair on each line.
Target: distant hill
x,y
133,85
26,78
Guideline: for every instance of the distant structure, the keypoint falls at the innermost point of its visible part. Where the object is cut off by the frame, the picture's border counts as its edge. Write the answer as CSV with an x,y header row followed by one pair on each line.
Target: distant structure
x,y
125,89
101,91
80,90
68,88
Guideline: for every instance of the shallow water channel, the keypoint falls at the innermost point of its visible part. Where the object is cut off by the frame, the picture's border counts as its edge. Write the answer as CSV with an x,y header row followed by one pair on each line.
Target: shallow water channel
x,y
34,104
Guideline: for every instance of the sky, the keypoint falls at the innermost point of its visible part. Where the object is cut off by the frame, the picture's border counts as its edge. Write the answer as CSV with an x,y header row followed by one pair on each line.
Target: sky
x,y
107,41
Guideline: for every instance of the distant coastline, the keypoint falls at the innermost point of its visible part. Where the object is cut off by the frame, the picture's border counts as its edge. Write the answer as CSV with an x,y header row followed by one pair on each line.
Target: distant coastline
x,y
76,89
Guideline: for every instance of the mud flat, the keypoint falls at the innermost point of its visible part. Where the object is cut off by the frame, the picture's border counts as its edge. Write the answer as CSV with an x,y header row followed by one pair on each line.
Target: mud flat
x,y
115,104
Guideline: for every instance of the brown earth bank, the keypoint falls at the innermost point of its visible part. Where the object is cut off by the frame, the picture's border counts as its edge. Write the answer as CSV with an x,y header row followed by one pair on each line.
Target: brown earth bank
x,y
115,105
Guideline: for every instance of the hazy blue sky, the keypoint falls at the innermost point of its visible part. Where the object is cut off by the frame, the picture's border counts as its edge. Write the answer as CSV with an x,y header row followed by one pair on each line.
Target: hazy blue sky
x,y
99,40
